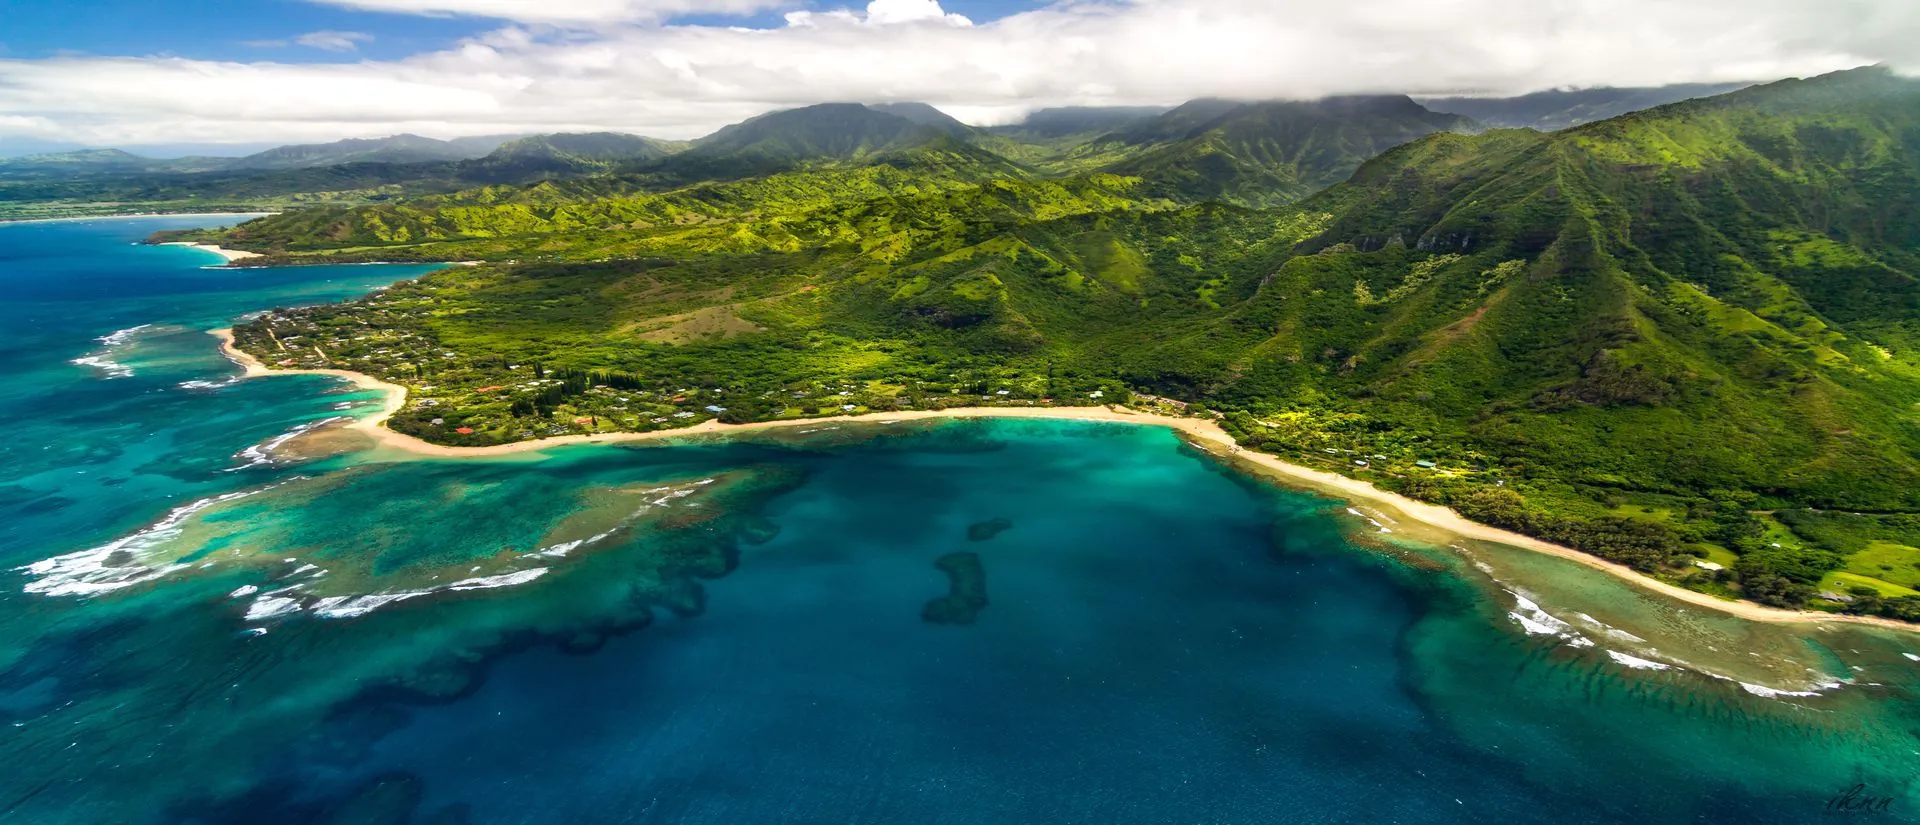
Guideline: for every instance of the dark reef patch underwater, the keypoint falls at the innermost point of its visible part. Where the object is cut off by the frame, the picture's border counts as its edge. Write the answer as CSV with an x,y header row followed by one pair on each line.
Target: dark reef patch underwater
x,y
753,630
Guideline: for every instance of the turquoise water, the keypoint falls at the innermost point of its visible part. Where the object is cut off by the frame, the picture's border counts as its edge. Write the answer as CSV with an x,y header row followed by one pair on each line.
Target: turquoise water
x,y
747,631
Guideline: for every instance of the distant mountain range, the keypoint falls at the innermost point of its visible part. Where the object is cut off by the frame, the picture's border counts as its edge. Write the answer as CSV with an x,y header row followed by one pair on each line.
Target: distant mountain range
x,y
396,149
1071,121
1553,110
786,138
399,149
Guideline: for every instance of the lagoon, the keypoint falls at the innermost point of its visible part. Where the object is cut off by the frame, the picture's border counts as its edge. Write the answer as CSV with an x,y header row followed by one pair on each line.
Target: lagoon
x,y
737,630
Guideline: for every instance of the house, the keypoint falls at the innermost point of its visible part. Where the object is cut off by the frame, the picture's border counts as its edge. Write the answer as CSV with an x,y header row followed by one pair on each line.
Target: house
x,y
714,409
1424,464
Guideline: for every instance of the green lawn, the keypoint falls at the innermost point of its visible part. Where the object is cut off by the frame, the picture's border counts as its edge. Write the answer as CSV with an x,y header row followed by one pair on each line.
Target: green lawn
x,y
1889,562
1839,582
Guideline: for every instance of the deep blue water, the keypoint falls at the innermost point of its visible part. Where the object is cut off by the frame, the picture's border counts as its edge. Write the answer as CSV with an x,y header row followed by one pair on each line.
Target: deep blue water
x,y
727,632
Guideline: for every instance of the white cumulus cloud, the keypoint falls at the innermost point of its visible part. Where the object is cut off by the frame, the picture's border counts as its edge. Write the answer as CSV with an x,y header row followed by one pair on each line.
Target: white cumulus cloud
x,y
630,71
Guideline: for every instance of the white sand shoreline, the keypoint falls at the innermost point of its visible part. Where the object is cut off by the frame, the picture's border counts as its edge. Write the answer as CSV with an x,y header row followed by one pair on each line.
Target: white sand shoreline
x,y
230,254
1202,433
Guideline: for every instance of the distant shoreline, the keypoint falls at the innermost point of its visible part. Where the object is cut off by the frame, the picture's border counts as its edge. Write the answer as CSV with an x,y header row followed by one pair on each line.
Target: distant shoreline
x,y
1202,433
138,215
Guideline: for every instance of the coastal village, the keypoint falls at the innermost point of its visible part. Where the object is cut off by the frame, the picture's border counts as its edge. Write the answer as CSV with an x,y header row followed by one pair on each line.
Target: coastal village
x,y
479,389
461,397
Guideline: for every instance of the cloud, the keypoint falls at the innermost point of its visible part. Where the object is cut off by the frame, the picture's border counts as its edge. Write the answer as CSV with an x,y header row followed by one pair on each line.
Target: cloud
x,y
332,41
567,12
882,13
686,80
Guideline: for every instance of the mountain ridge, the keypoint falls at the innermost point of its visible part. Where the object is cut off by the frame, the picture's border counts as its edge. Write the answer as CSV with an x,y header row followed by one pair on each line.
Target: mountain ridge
x,y
1640,337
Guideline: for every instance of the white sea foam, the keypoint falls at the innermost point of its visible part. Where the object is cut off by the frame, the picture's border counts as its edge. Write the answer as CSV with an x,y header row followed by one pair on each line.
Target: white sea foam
x,y
243,592
1609,630
108,367
262,453
1774,693
1370,519
202,384
118,337
103,359
88,573
502,580
267,607
1636,662
559,550
347,607
1536,621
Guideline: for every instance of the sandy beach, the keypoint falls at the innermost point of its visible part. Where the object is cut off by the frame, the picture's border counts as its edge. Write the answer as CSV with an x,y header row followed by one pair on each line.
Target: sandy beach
x,y
230,254
1202,433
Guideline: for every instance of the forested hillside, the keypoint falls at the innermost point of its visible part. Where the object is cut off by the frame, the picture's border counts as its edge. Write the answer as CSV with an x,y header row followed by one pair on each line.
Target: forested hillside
x,y
1272,153
1559,109
1682,335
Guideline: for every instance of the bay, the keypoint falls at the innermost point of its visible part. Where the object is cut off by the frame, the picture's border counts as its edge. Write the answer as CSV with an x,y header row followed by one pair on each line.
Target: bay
x,y
962,621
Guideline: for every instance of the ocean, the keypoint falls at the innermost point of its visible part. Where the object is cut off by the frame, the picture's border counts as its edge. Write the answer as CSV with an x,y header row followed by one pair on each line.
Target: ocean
x,y
966,621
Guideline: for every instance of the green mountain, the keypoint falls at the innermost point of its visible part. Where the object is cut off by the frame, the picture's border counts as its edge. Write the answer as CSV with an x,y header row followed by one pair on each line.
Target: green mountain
x,y
357,177
96,163
797,138
1179,123
1688,331
1558,109
1065,122
480,145
568,155
1710,305
396,149
1270,153
926,115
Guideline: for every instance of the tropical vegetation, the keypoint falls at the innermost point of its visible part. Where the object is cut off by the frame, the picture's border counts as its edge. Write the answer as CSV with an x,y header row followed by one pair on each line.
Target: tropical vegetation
x,y
1686,338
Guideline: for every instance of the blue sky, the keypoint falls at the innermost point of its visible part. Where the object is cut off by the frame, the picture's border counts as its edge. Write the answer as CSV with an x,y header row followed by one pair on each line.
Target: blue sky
x,y
256,30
